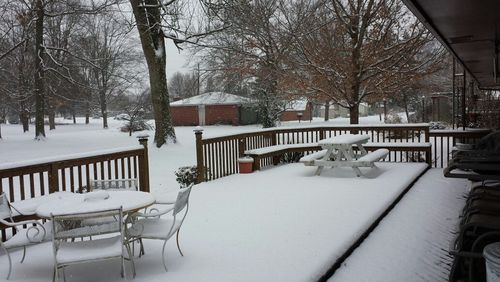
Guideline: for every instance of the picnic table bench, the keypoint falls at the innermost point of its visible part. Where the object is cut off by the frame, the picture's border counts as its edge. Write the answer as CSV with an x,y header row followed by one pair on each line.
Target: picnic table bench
x,y
276,151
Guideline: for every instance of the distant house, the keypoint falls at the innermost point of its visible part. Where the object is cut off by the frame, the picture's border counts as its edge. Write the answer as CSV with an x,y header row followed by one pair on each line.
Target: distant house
x,y
297,110
338,111
209,108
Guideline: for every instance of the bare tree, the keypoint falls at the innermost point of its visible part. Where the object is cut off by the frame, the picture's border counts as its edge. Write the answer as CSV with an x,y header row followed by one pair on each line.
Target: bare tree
x,y
183,85
158,20
114,65
258,49
362,48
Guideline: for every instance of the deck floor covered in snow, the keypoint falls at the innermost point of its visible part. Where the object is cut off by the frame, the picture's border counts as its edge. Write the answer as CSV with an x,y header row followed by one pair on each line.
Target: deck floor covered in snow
x,y
279,224
412,242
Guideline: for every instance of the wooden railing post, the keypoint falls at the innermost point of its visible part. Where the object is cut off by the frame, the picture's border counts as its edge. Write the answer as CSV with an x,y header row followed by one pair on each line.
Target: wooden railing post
x,y
426,133
321,134
199,155
273,137
242,147
276,159
53,174
144,164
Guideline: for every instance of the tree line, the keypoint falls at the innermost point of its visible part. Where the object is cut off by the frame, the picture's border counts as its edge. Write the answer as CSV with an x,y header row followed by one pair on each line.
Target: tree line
x,y
85,54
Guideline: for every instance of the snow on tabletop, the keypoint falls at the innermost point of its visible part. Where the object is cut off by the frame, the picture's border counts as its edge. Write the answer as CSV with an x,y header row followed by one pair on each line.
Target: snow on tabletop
x,y
128,200
412,242
344,139
29,206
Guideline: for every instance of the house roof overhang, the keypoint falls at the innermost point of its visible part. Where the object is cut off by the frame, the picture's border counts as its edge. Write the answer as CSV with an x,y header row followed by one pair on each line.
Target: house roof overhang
x,y
471,32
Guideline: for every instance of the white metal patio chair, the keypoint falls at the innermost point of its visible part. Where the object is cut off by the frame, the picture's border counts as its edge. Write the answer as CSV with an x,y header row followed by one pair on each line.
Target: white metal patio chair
x,y
130,184
107,243
159,225
34,234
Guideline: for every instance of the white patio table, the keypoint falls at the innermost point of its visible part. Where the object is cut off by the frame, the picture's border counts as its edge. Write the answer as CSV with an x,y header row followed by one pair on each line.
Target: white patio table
x,y
339,151
130,201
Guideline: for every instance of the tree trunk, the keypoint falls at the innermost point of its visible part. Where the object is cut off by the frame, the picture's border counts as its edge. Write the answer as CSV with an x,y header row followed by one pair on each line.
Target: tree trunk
x,y
87,107
153,45
74,116
354,114
39,74
23,89
51,113
327,110
24,116
104,108
52,120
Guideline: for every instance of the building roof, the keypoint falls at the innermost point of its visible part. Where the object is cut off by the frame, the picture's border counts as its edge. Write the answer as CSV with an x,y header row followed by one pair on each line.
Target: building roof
x,y
296,105
469,29
212,98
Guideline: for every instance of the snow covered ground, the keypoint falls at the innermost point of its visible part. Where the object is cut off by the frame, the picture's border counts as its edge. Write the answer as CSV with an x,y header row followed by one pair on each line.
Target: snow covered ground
x,y
280,224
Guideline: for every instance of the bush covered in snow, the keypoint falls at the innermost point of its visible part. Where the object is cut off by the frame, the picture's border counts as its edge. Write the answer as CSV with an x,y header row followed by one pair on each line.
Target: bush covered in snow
x,y
437,125
186,175
135,125
393,118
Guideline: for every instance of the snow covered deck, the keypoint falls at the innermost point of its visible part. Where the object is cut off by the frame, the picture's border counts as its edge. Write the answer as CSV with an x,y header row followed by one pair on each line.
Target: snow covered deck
x,y
281,224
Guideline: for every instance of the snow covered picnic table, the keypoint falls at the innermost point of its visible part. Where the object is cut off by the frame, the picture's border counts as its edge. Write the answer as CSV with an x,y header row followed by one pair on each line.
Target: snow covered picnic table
x,y
338,152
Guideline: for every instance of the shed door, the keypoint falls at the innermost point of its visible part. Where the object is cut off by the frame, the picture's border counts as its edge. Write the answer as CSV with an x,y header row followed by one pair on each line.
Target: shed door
x,y
201,115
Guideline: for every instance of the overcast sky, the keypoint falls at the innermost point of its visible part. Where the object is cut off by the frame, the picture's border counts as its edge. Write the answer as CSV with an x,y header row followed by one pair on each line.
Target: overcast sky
x,y
175,61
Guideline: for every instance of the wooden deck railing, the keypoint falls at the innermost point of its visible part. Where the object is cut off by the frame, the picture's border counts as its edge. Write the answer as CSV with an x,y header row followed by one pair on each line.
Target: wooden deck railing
x,y
217,157
20,182
443,141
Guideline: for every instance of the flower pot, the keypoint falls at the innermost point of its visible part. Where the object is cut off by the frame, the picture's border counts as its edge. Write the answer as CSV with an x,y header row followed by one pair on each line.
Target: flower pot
x,y
245,164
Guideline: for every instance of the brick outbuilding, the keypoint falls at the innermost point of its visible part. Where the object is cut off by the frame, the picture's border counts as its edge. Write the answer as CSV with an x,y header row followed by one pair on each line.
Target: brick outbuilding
x,y
297,110
208,109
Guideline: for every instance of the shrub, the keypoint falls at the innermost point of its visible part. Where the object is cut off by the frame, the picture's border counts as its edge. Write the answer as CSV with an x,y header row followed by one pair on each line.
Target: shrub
x,y
186,175
393,118
138,125
291,157
437,125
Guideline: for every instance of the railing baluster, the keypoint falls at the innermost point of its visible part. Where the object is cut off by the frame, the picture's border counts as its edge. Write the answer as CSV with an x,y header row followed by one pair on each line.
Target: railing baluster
x,y
21,186
72,179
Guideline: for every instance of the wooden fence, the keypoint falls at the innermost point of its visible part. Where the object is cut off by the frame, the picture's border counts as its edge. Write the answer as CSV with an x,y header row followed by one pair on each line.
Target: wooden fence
x,y
443,141
73,174
218,157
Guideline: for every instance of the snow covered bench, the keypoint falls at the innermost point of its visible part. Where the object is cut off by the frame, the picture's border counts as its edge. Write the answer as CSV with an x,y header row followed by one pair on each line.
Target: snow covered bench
x,y
276,151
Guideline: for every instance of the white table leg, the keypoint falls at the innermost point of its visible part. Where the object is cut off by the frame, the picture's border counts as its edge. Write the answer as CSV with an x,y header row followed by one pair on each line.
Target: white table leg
x,y
325,158
349,155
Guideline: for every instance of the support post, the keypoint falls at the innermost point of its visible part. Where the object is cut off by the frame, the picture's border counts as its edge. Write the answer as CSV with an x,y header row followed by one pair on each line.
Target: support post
x,y
53,178
242,147
385,110
453,116
200,177
464,120
144,164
